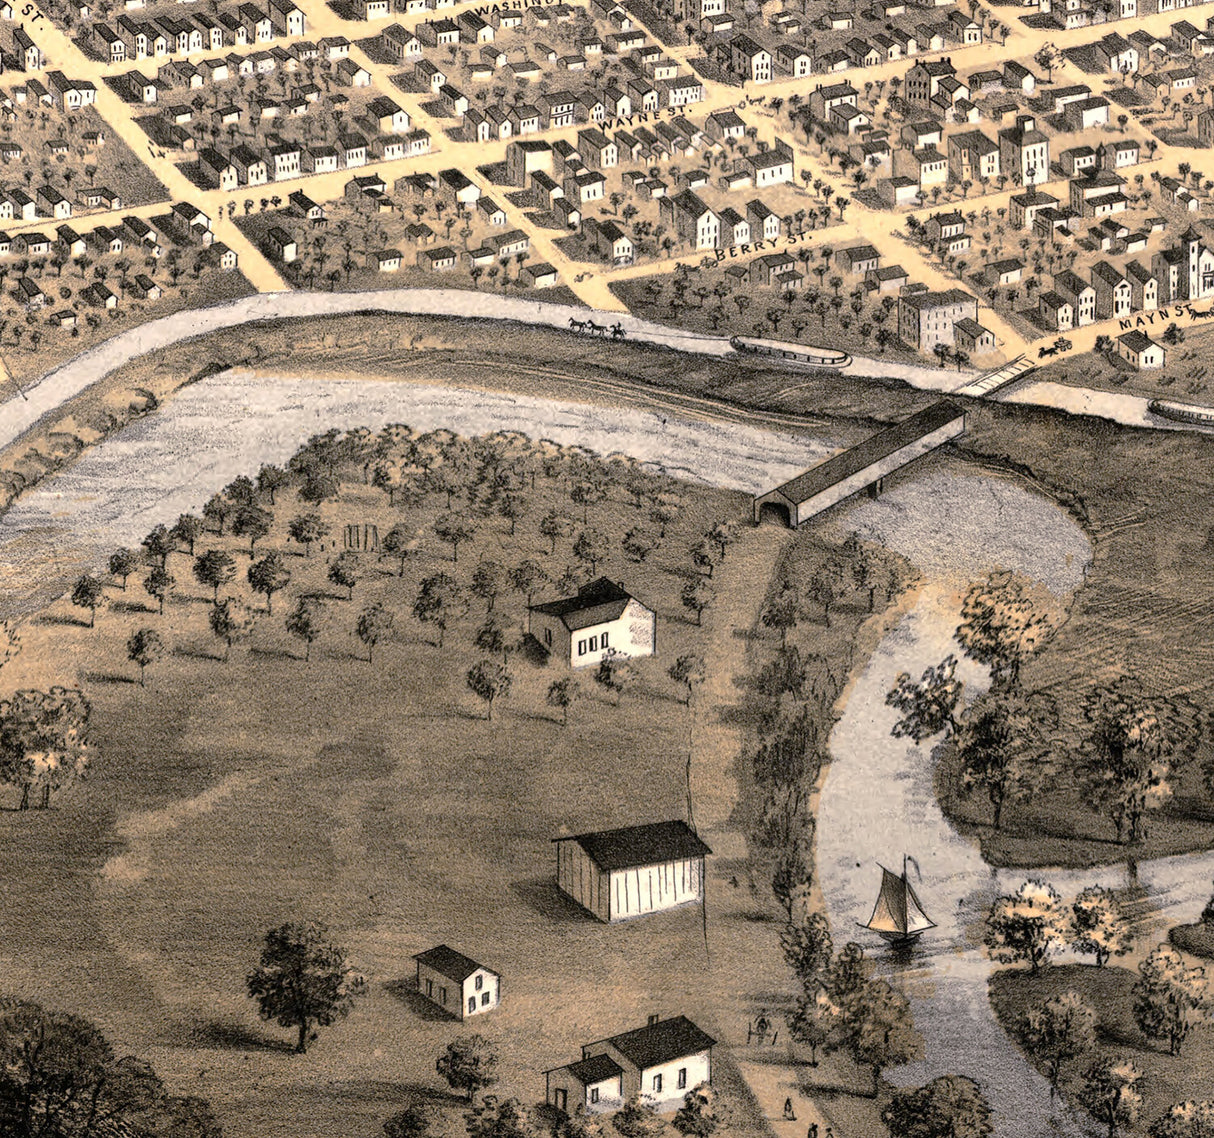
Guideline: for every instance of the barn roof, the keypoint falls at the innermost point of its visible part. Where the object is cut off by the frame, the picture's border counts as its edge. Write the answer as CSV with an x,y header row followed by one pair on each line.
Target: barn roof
x,y
640,845
595,603
446,961
881,445
662,1042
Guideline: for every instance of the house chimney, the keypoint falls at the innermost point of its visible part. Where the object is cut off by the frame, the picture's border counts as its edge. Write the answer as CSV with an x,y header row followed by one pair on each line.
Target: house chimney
x,y
653,1018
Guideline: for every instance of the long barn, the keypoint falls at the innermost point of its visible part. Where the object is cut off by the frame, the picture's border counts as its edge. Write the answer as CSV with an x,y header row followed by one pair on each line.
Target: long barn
x,y
618,874
862,467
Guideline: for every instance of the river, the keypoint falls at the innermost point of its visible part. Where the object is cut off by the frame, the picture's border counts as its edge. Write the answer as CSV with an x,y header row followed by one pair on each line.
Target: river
x,y
955,524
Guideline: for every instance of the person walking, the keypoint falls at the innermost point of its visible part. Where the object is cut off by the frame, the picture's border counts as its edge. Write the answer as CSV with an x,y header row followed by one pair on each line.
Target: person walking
x,y
789,1116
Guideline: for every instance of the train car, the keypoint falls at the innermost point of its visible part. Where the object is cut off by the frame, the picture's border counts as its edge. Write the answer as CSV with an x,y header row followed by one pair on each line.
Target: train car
x,y
793,353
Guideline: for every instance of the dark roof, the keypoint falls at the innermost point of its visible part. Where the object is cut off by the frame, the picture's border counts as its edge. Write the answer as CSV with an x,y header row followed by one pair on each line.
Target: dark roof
x,y
454,965
595,1069
599,601
639,845
661,1042
834,470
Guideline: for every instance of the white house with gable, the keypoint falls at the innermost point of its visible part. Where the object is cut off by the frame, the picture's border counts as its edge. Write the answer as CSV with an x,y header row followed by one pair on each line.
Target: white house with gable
x,y
658,1063
602,619
456,983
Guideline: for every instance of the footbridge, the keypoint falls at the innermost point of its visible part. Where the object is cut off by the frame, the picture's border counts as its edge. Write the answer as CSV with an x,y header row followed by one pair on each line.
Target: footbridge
x,y
863,467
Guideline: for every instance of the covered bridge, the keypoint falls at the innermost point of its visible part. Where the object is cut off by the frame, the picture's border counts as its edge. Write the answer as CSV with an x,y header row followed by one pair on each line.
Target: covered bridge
x,y
862,467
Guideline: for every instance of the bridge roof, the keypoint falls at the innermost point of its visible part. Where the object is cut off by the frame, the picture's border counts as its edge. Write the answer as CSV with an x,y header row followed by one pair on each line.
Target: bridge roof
x,y
872,450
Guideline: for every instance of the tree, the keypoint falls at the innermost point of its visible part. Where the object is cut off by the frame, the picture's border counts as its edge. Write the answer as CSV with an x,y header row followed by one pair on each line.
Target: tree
x,y
929,705
722,535
398,543
87,594
454,531
1099,926
158,584
1111,1092
231,620
374,623
816,1022
591,547
123,562
489,681
1170,998
827,586
271,479
554,526
500,1118
1189,1119
345,571
526,577
696,595
703,557
216,511
215,568
143,648
269,576
1026,925
637,545
158,545
469,1064
240,491
44,741
306,622
612,674
948,1107
697,1117
439,601
782,613
689,671
562,694
303,980
307,529
879,1028
64,1079
805,939
1057,1031
412,1122
582,1124
1004,746
1005,620
638,1119
188,529
1135,744
252,522
488,579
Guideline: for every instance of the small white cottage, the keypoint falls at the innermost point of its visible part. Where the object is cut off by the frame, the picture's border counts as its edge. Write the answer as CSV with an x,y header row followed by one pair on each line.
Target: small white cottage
x,y
618,874
602,619
659,1063
456,983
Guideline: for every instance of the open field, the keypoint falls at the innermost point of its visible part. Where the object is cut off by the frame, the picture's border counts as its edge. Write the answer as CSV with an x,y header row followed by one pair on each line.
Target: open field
x,y
1167,1078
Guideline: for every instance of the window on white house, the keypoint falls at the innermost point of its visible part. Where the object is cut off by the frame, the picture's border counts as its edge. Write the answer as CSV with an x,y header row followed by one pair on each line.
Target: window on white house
x,y
442,995
594,1094
480,983
581,648
484,999
657,1084
471,1004
594,643
682,1078
603,640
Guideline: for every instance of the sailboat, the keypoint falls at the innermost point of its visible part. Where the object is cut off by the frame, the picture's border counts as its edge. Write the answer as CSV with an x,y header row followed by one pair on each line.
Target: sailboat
x,y
898,916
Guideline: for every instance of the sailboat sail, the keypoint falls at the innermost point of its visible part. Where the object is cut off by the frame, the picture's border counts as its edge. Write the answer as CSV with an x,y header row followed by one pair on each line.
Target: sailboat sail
x,y
898,910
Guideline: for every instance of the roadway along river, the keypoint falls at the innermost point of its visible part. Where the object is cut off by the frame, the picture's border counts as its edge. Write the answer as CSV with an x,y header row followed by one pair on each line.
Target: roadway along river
x,y
955,524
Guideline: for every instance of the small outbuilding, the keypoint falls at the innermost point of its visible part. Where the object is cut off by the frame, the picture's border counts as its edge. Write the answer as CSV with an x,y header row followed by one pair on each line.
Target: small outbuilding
x,y
619,874
603,619
457,983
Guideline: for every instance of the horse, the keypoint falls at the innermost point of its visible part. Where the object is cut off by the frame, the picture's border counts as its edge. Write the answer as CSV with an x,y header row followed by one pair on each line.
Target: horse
x,y
1043,352
577,325
617,331
596,329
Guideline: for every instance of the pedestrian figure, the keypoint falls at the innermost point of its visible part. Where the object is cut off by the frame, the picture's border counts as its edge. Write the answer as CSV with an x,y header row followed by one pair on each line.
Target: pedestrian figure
x,y
789,1116
813,1130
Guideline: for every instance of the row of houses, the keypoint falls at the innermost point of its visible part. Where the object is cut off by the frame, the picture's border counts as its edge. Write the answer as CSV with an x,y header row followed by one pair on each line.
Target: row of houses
x,y
134,39
754,63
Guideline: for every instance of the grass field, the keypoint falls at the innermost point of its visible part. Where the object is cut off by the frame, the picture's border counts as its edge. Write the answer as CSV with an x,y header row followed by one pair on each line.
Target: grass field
x,y
1167,1078
230,797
